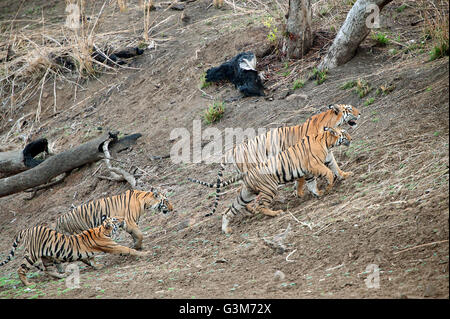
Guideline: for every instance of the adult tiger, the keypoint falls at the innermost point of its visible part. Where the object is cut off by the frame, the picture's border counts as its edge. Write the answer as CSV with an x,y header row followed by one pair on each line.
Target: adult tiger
x,y
306,159
129,205
259,149
51,247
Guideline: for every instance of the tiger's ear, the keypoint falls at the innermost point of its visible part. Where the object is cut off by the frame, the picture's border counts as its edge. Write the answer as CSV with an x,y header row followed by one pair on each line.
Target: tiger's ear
x,y
331,130
334,108
154,191
103,218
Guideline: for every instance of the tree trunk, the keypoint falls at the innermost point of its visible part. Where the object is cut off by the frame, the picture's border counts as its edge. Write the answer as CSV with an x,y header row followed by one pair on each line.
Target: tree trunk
x,y
66,161
363,16
16,161
299,36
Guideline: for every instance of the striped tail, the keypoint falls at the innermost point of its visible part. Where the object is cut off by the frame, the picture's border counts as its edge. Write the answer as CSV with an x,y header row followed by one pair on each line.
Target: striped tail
x,y
219,181
14,246
218,185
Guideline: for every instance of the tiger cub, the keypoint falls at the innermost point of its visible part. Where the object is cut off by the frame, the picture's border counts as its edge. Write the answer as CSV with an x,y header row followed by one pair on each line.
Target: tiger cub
x,y
129,205
47,246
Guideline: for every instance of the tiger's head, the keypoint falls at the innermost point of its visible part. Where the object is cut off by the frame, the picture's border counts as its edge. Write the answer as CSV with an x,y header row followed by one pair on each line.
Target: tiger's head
x,y
157,200
349,114
164,205
338,136
110,225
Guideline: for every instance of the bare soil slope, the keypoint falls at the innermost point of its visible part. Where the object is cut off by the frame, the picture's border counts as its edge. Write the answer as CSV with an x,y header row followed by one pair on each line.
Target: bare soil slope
x,y
396,200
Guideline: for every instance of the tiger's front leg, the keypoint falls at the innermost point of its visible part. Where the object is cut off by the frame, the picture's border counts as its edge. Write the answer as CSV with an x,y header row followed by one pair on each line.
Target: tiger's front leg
x,y
48,262
226,216
330,161
122,250
91,262
268,211
299,186
328,174
251,207
311,184
137,235
22,272
267,196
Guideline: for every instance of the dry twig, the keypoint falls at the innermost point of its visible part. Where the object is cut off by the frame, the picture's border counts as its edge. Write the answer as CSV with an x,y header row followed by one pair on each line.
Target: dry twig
x,y
419,246
117,174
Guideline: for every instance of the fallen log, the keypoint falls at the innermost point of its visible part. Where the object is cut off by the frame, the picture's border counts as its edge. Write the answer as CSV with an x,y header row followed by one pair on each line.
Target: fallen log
x,y
16,161
66,161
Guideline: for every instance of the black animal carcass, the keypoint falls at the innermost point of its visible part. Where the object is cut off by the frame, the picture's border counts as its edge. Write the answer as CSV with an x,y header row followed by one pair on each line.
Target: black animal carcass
x,y
241,71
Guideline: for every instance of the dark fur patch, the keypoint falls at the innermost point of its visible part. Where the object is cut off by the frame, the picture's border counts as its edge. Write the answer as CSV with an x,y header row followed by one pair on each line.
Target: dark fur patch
x,y
246,81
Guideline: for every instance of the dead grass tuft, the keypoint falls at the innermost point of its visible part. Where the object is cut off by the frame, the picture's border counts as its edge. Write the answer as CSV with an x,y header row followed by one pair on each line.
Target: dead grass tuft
x,y
436,28
36,52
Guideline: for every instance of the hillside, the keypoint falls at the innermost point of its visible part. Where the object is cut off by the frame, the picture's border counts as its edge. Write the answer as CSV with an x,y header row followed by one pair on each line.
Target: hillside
x,y
392,212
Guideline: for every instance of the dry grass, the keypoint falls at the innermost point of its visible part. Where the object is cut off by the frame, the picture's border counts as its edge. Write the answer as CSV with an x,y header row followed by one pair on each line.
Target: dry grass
x,y
36,53
436,27
122,5
32,67
146,6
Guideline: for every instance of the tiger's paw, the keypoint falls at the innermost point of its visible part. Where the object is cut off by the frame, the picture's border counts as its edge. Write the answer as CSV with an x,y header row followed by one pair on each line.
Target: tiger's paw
x,y
269,212
250,208
225,222
227,230
346,174
55,275
26,283
143,253
299,193
98,266
317,194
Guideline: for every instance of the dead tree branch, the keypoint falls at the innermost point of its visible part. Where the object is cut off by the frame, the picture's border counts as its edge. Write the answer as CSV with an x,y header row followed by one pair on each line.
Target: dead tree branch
x,y
58,164
117,174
